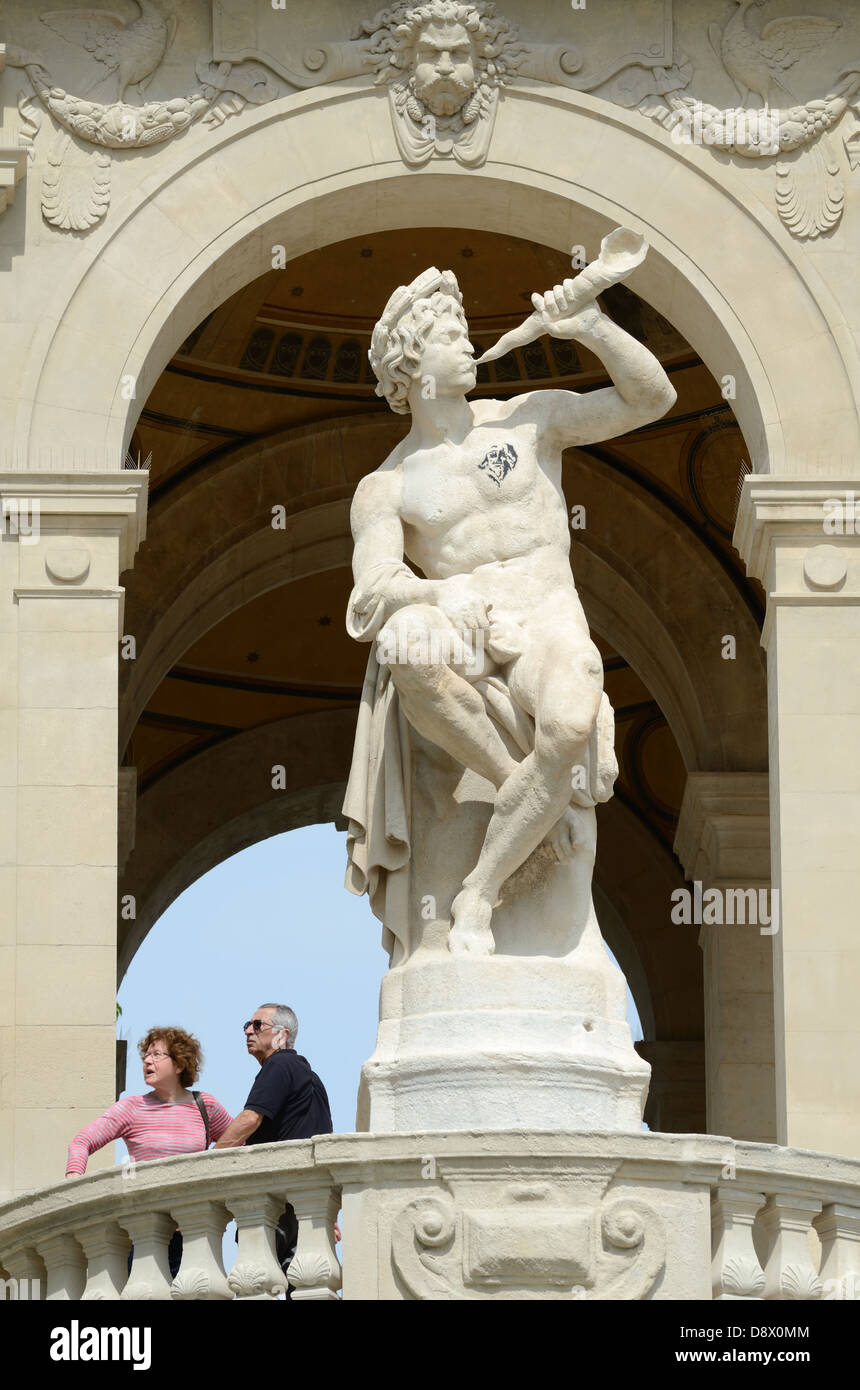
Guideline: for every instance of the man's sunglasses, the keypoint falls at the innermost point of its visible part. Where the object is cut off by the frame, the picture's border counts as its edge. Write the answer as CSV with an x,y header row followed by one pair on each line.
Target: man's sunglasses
x,y
256,1024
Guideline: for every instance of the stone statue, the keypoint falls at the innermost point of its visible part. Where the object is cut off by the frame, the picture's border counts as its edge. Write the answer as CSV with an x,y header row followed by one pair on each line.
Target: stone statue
x,y
484,734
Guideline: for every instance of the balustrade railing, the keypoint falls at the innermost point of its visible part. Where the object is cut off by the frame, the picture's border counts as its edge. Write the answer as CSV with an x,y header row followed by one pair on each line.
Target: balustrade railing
x,y
785,1224
72,1241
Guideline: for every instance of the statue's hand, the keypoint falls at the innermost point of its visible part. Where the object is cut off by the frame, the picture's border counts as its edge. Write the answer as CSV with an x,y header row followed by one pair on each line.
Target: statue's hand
x,y
465,609
506,640
554,310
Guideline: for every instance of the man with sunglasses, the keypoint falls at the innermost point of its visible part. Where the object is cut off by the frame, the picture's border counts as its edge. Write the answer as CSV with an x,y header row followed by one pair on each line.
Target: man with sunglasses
x,y
287,1100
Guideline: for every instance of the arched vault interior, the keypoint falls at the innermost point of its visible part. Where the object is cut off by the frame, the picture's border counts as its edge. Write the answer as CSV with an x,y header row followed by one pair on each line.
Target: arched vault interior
x,y
242,659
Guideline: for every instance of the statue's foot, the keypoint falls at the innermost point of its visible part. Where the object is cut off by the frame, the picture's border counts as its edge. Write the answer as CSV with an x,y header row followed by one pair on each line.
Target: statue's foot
x,y
470,931
562,839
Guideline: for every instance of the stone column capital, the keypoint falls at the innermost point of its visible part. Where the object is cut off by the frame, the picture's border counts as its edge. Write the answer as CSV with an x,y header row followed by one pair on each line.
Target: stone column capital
x,y
107,503
723,833
801,538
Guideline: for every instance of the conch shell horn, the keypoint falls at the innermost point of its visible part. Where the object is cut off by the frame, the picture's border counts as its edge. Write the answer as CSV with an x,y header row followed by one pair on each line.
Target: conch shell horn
x,y
620,253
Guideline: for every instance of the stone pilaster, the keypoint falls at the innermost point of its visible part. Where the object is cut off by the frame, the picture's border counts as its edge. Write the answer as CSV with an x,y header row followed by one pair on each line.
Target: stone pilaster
x,y
800,538
67,539
723,845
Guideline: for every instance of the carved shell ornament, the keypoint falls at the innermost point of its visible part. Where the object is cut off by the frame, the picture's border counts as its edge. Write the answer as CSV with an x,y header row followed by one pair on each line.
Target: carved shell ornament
x,y
191,1285
743,1276
809,193
309,1271
249,1280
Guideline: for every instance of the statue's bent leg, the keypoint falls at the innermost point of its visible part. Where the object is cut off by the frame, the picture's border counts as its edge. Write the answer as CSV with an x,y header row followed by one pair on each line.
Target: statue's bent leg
x,y
420,645
568,687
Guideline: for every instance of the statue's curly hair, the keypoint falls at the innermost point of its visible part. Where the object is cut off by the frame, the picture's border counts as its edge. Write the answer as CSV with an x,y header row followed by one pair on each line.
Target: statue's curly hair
x,y
395,353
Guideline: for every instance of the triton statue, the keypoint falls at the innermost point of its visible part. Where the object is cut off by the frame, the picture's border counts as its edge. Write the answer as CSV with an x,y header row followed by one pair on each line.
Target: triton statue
x,y
486,652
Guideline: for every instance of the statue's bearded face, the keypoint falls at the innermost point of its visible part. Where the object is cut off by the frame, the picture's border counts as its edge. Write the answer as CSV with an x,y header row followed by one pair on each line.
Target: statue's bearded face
x,y
444,71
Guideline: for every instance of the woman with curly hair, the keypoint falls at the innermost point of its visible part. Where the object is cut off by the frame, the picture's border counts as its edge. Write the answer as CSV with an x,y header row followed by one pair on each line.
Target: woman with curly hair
x,y
168,1120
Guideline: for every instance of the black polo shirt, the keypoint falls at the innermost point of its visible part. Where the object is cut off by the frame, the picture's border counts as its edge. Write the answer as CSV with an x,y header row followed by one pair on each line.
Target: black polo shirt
x,y
291,1099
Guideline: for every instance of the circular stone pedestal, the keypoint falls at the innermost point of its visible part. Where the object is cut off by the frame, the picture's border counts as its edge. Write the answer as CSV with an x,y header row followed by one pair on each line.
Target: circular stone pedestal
x,y
504,1042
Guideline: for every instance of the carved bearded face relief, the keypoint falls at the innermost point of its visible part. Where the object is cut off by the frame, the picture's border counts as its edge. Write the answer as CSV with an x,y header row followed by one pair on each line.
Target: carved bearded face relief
x,y
444,67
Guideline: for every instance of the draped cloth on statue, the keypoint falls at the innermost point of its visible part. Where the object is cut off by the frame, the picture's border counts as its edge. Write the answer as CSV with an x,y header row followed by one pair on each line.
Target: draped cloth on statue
x,y
378,799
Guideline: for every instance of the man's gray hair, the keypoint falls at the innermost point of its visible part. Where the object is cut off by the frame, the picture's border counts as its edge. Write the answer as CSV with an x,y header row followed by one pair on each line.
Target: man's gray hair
x,y
283,1017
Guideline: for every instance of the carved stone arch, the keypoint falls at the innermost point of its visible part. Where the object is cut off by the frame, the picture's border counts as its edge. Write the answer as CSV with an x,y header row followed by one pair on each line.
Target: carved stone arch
x,y
209,208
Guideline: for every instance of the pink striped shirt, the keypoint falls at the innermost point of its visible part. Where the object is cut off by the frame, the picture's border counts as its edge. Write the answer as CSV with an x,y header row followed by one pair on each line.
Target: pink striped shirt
x,y
151,1128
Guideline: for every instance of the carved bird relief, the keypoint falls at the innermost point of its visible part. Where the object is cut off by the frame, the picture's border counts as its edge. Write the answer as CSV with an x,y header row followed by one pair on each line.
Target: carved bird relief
x,y
754,54
132,51
809,191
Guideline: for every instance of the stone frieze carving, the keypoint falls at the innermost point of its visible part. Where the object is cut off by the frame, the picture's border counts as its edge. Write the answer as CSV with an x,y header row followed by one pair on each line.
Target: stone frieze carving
x,y
130,52
528,1245
443,99
809,191
77,177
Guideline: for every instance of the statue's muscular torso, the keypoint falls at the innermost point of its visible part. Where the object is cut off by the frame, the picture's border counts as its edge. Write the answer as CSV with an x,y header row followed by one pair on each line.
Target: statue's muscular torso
x,y
485,500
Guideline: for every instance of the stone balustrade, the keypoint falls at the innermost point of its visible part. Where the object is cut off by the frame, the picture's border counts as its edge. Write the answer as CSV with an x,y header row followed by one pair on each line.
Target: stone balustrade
x,y
74,1238
472,1215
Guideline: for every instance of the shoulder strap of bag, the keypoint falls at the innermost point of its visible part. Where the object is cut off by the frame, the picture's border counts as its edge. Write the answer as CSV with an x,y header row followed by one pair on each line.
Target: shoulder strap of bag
x,y
202,1108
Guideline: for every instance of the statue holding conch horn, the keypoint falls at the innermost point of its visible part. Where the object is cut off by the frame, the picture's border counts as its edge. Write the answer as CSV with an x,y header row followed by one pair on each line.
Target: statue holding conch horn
x,y
620,253
481,649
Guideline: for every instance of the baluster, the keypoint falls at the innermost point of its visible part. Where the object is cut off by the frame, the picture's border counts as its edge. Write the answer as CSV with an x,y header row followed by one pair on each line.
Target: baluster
x,y
737,1273
150,1234
314,1271
256,1273
202,1273
106,1249
789,1271
838,1229
64,1262
28,1271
